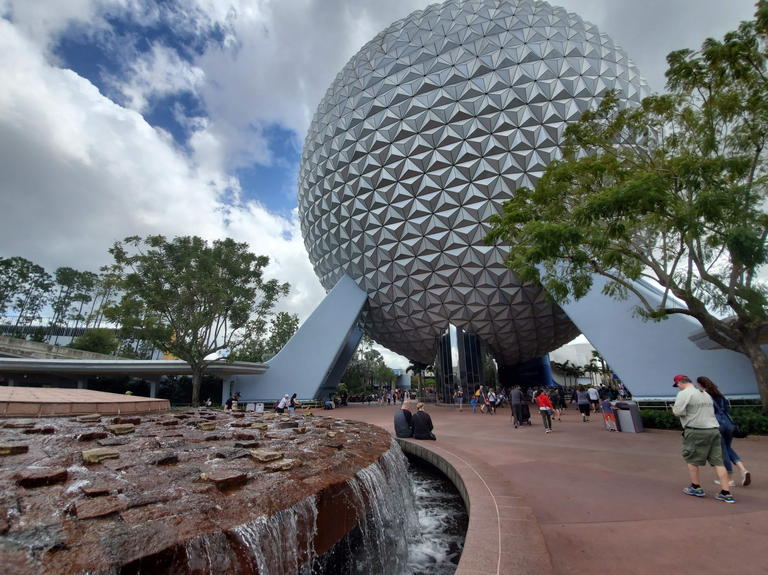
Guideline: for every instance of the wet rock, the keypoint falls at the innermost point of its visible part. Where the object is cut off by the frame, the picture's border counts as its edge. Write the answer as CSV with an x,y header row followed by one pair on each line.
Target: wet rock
x,y
92,418
214,437
260,426
247,444
101,490
239,424
206,426
238,415
121,429
13,448
268,416
264,456
231,453
144,499
99,454
300,430
243,436
168,422
283,465
331,434
168,458
4,524
285,418
127,420
114,442
98,507
19,424
41,477
324,423
40,431
92,436
181,416
332,444
225,480
289,424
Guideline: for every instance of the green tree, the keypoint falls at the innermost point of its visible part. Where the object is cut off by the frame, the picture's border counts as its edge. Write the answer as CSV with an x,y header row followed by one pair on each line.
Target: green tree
x,y
67,280
672,191
418,368
257,348
98,340
193,299
33,292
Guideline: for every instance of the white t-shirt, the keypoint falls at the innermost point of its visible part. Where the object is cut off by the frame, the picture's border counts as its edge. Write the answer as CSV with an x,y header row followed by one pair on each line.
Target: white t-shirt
x,y
594,395
284,403
695,408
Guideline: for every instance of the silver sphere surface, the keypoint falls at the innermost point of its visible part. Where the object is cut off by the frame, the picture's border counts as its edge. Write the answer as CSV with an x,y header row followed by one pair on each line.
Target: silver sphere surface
x,y
420,138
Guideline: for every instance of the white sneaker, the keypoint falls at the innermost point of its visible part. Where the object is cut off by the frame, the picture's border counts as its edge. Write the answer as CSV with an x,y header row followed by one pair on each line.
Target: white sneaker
x,y
731,483
745,478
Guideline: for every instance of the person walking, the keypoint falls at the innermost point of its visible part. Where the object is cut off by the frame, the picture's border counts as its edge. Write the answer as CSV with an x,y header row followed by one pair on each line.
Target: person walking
x,y
730,458
293,404
421,424
561,399
594,398
554,399
582,400
480,396
546,410
491,402
459,397
701,436
516,400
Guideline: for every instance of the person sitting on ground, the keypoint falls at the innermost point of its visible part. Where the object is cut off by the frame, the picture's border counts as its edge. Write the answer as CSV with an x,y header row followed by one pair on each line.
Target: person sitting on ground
x,y
421,424
403,419
231,403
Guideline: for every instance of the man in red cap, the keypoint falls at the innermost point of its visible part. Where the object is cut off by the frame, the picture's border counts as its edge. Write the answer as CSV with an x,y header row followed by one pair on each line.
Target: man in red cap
x,y
701,436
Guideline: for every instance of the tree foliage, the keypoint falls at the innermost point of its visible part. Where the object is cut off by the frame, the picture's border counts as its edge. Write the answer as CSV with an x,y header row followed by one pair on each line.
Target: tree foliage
x,y
672,191
98,340
258,348
193,299
367,368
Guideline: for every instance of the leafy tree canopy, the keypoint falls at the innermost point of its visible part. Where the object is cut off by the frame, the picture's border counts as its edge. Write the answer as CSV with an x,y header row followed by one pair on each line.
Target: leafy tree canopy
x,y
99,340
672,191
257,348
191,298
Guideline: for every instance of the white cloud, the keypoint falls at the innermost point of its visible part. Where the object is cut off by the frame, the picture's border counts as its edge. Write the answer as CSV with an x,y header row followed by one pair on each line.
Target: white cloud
x,y
159,72
79,172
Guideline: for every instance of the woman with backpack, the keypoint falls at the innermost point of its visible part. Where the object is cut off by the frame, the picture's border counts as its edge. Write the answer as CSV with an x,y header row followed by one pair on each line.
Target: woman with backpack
x,y
730,458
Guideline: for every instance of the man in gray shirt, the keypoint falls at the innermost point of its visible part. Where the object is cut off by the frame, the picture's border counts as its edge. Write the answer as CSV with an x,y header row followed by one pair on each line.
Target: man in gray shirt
x,y
516,401
701,436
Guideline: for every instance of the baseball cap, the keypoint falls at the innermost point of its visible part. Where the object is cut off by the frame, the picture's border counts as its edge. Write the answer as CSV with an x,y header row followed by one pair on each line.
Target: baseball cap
x,y
678,378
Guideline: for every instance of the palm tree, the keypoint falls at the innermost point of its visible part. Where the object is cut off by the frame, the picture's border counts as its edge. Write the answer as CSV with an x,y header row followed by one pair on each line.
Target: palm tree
x,y
418,367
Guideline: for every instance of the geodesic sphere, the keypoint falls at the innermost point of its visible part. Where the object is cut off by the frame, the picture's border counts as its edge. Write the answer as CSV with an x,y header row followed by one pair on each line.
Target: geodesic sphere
x,y
420,138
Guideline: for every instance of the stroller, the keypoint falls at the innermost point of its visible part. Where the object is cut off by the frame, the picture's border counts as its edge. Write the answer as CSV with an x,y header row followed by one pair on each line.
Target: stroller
x,y
526,412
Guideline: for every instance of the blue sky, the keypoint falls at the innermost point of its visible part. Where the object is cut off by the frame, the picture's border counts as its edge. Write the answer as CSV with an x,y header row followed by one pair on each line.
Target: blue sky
x,y
130,117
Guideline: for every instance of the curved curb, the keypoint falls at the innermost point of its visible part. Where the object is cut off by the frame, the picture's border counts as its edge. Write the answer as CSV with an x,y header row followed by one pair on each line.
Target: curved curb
x,y
503,537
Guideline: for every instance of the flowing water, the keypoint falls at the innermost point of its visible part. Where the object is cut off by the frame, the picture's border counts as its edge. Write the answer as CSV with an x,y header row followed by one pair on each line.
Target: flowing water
x,y
414,524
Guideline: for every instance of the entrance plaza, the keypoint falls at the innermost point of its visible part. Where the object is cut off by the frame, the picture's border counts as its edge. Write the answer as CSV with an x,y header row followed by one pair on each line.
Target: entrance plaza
x,y
605,502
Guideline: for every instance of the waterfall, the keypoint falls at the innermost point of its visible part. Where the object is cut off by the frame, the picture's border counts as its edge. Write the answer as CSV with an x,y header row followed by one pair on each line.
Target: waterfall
x,y
283,543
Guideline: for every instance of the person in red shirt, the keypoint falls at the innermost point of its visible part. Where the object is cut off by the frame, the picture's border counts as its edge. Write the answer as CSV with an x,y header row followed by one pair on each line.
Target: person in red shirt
x,y
546,409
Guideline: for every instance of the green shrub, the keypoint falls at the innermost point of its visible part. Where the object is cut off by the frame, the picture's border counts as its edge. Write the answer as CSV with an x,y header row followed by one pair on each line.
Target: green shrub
x,y
749,419
659,419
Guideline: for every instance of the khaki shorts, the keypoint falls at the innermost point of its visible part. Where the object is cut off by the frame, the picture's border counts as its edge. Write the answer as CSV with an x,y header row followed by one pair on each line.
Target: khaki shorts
x,y
702,446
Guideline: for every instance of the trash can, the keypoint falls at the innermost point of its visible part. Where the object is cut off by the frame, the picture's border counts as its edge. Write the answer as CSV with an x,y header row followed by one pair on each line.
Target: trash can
x,y
259,407
628,415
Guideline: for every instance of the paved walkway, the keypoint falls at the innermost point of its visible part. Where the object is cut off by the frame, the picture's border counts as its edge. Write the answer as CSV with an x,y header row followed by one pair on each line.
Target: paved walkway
x,y
611,502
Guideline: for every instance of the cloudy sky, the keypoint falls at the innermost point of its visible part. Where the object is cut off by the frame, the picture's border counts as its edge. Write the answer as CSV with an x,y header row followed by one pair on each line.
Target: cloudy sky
x,y
179,117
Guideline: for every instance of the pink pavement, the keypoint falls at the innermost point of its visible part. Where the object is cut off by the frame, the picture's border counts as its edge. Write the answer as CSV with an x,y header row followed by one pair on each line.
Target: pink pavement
x,y
608,502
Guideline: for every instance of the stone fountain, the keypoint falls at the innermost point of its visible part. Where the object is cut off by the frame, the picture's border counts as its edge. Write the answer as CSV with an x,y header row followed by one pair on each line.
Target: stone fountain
x,y
197,491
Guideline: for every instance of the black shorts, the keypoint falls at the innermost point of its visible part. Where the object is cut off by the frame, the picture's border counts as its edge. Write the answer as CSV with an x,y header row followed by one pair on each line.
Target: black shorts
x,y
584,408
